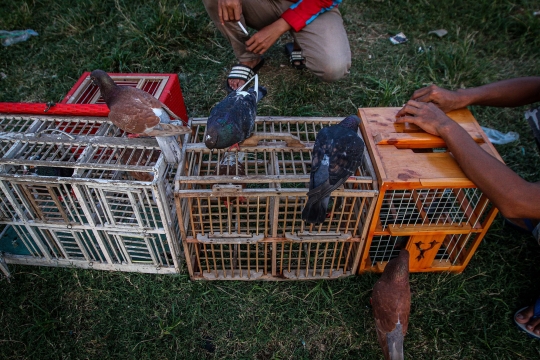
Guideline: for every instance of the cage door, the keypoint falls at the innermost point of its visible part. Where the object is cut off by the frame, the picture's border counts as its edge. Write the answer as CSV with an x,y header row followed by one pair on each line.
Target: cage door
x,y
423,249
124,207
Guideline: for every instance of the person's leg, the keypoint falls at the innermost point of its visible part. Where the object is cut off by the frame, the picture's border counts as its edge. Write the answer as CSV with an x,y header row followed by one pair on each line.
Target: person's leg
x,y
325,46
256,14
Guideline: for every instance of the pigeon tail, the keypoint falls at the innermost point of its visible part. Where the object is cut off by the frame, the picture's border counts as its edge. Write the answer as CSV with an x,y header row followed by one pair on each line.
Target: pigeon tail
x,y
394,340
260,93
315,211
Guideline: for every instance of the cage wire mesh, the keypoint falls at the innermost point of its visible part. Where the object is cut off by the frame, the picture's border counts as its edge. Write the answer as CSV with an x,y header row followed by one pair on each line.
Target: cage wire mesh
x,y
430,207
77,192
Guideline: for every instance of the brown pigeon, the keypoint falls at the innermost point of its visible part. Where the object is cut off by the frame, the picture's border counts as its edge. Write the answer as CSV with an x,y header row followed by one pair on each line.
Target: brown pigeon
x,y
391,301
139,113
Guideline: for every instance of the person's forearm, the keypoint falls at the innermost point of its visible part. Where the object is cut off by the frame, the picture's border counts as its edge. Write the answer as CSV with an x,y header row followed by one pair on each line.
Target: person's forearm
x,y
513,196
505,93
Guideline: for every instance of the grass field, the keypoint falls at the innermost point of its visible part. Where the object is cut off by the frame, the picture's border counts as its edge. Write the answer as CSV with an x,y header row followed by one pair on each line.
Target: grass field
x,y
53,313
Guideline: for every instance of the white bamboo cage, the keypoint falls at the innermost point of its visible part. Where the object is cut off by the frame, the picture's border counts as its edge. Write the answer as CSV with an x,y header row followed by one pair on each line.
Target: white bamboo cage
x,y
110,208
240,212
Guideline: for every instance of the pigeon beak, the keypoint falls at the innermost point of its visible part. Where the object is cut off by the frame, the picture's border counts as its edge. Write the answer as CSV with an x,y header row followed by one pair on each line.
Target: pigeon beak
x,y
210,142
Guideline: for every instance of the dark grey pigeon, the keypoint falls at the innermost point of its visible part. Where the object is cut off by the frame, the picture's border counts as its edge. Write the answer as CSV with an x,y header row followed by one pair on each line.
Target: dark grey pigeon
x,y
337,153
233,119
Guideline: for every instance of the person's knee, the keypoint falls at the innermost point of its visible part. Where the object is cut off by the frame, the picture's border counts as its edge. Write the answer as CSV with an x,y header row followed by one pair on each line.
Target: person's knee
x,y
332,69
334,73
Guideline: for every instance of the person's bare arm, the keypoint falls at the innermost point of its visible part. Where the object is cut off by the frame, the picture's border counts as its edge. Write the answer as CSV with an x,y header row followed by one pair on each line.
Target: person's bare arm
x,y
513,196
262,40
505,93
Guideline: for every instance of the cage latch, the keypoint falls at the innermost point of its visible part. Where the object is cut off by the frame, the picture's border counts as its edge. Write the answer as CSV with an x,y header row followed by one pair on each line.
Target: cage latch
x,y
229,238
319,237
223,188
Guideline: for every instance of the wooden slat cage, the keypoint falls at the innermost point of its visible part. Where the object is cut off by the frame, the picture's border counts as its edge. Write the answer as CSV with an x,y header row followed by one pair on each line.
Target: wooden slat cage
x,y
240,212
77,192
426,203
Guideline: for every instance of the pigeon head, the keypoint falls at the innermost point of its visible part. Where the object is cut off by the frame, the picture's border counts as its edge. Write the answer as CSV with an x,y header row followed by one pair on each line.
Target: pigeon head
x,y
220,135
103,81
351,122
397,269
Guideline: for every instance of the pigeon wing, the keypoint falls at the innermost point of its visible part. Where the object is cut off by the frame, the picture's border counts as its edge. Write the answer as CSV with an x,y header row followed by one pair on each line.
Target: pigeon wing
x,y
169,111
344,156
131,110
163,129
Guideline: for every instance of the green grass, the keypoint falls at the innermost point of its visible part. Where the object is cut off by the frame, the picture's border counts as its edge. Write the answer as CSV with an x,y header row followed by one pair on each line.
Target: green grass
x,y
67,313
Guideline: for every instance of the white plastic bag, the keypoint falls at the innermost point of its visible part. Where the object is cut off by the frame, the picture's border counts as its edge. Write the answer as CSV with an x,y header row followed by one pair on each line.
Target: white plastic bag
x,y
15,36
497,137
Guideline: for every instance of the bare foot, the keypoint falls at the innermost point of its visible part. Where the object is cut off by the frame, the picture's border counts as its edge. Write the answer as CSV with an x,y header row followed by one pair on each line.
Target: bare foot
x,y
236,83
524,317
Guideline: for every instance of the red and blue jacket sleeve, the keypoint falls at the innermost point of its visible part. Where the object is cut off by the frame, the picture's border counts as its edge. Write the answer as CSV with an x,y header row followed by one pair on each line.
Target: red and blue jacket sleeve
x,y
302,12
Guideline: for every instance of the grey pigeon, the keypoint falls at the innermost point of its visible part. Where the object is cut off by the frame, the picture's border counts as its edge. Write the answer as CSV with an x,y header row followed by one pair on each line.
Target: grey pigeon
x,y
337,153
139,113
232,120
391,302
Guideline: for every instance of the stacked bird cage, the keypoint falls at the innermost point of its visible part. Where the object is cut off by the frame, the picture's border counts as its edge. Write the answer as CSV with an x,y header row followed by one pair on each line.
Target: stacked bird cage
x,y
164,87
426,203
239,212
77,192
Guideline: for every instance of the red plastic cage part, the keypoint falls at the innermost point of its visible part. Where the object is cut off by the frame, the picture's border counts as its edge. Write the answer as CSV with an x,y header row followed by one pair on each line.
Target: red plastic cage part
x,y
56,109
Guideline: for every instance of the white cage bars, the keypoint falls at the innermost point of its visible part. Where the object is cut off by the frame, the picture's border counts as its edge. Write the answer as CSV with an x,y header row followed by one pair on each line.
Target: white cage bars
x,y
76,192
240,212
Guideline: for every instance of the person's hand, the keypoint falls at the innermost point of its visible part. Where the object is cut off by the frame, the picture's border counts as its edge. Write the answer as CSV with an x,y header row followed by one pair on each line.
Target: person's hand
x,y
261,41
446,100
229,10
425,115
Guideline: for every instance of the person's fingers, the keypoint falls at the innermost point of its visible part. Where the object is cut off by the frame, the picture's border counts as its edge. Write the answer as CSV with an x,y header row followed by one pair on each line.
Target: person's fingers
x,y
232,16
415,104
251,47
256,49
421,92
401,112
250,42
425,98
407,109
237,13
405,119
225,14
220,13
